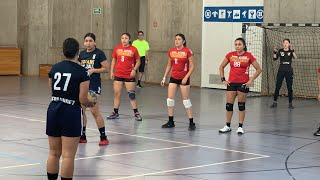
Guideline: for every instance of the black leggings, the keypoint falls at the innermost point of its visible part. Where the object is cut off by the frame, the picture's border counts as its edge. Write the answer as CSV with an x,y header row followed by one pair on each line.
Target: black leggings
x,y
289,81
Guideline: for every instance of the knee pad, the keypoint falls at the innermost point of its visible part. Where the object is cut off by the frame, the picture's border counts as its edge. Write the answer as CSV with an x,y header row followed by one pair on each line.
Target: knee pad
x,y
242,106
132,95
170,102
229,107
187,103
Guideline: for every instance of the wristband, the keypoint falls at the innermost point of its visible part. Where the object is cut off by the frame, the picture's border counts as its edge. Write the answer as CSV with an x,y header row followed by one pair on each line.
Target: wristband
x,y
223,79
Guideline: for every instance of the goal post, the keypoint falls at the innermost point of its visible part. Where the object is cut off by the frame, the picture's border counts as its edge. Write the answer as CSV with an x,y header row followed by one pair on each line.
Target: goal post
x,y
261,39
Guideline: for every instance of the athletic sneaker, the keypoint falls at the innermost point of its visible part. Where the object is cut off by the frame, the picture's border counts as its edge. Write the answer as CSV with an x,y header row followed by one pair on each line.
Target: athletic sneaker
x,y
192,126
103,141
290,106
274,105
137,117
317,133
113,115
168,125
83,139
139,86
225,129
240,130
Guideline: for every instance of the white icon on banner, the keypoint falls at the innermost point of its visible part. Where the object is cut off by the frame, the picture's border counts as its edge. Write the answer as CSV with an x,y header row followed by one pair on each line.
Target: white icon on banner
x,y
252,14
222,13
260,14
229,13
244,14
215,13
207,14
236,14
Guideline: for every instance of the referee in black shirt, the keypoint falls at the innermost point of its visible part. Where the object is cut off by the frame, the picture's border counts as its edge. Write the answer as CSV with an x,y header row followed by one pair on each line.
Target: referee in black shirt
x,y
285,71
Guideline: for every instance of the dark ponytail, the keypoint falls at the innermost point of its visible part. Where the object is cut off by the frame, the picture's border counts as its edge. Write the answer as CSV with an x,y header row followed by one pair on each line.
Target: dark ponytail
x,y
70,48
183,37
90,35
244,43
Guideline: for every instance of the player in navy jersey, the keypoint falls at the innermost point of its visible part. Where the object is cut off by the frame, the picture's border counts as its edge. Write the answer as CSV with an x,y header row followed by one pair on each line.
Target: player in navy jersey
x,y
285,71
95,61
69,83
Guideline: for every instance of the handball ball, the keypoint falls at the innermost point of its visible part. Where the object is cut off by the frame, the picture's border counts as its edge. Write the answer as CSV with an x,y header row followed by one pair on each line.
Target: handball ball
x,y
92,96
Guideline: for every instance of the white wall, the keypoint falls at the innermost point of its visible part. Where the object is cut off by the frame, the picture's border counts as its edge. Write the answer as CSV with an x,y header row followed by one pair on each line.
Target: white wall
x,y
217,41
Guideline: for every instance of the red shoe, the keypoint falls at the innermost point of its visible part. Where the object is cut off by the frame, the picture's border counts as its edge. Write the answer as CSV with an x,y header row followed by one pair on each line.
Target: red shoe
x,y
83,139
103,142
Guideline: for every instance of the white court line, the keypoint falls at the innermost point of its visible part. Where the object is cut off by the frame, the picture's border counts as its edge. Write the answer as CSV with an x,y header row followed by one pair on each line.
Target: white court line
x,y
94,157
177,142
17,166
145,137
187,168
133,152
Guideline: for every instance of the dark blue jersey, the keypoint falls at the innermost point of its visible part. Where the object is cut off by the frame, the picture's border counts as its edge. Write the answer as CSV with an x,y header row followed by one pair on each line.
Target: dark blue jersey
x,y
91,60
66,78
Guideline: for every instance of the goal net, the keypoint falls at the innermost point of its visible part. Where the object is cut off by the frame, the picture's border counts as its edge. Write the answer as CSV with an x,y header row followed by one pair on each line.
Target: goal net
x,y
305,39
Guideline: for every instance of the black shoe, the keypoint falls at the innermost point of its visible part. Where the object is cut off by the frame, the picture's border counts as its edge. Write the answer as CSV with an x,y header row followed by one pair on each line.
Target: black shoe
x,y
168,125
290,106
192,126
83,139
317,133
139,86
274,105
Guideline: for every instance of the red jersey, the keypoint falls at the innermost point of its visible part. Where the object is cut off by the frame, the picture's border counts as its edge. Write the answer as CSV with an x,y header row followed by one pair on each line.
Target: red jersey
x,y
125,60
180,62
319,69
239,66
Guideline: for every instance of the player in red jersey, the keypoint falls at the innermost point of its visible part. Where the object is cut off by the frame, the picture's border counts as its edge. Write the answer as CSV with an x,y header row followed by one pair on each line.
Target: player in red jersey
x,y
182,65
125,62
239,82
317,133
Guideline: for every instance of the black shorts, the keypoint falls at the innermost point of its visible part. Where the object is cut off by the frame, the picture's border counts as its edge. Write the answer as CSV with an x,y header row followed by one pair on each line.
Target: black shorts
x,y
237,87
143,63
95,88
64,120
179,81
124,79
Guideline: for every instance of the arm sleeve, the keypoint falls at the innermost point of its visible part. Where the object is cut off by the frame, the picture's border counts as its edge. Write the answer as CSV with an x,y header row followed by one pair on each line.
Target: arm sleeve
x,y
189,53
228,56
50,74
114,54
147,46
136,54
252,58
84,75
102,56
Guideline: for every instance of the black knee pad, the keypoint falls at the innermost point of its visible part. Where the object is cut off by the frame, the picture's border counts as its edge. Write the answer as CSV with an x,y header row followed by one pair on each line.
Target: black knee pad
x,y
229,107
132,95
242,106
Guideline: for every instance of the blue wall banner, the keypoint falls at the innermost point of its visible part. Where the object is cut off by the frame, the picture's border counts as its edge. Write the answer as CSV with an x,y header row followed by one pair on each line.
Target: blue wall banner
x,y
234,14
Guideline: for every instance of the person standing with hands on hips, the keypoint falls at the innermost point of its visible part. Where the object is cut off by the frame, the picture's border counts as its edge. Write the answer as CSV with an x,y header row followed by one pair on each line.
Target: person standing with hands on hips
x,y
125,62
239,81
